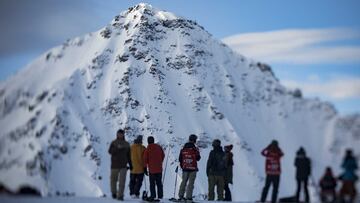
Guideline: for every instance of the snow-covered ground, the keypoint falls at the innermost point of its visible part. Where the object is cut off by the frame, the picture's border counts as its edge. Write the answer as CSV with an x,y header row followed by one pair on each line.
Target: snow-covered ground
x,y
60,200
74,200
153,73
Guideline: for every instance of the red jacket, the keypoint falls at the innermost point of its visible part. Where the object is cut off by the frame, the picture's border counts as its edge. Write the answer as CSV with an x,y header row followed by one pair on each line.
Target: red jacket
x,y
153,158
272,164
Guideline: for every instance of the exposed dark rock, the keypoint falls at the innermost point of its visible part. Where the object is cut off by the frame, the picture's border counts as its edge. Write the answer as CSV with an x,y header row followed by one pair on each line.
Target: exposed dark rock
x,y
4,190
106,33
122,58
42,96
297,93
28,190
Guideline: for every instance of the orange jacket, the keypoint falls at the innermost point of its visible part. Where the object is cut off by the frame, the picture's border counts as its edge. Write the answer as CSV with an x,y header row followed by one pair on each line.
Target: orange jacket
x,y
137,156
153,158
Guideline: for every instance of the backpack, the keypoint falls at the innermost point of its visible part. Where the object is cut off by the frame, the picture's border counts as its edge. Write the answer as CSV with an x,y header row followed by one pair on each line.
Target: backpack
x,y
189,159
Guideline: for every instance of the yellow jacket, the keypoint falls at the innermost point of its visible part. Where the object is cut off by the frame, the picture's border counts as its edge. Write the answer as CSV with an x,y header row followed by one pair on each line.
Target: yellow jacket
x,y
137,154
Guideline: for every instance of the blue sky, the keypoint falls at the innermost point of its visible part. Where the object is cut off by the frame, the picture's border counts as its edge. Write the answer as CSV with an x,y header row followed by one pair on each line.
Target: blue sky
x,y
321,54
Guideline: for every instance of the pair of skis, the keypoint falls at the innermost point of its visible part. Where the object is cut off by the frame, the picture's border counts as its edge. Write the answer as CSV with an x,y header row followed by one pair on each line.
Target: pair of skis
x,y
179,200
182,200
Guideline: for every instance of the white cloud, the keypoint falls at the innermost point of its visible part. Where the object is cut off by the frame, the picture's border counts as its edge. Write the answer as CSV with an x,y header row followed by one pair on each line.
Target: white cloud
x,y
314,78
299,46
337,89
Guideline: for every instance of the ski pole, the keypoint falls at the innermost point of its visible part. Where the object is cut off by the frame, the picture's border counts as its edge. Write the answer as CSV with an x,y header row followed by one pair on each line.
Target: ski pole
x,y
145,183
145,194
167,158
176,171
315,185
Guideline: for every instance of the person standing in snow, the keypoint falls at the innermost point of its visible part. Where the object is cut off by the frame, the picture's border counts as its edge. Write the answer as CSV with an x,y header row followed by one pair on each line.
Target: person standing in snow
x,y
215,170
303,171
188,158
153,159
328,186
349,177
120,157
137,173
273,170
229,171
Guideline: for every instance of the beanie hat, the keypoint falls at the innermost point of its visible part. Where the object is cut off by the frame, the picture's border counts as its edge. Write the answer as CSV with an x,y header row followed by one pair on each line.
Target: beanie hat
x,y
216,143
138,139
274,143
301,151
150,140
120,131
193,138
228,147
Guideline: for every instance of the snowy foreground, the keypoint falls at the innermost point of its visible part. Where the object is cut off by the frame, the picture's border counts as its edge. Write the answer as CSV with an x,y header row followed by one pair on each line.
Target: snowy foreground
x,y
65,200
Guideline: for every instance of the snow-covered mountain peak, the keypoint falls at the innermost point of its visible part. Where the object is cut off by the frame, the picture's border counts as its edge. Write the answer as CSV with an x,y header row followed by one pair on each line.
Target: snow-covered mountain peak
x,y
144,9
153,73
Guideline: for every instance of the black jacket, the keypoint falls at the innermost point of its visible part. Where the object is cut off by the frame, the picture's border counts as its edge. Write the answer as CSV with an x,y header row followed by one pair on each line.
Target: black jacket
x,y
120,154
303,167
216,164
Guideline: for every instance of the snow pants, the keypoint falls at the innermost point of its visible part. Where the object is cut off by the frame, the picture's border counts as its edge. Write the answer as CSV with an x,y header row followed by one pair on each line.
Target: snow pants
x,y
219,182
348,190
271,180
227,193
155,179
303,182
118,175
135,183
187,183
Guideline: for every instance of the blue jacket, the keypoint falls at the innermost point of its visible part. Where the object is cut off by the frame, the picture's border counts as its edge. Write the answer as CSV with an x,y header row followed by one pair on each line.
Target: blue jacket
x,y
349,164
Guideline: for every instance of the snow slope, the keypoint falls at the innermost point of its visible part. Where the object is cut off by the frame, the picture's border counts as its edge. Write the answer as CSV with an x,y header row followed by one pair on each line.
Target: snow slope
x,y
154,73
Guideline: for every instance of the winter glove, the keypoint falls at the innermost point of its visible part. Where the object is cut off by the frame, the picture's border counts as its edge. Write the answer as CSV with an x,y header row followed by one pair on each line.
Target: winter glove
x,y
146,172
130,167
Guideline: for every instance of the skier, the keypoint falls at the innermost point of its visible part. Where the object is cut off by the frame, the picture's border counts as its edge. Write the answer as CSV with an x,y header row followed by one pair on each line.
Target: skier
x,y
215,170
272,168
229,171
188,158
153,159
303,171
120,156
348,178
328,186
137,173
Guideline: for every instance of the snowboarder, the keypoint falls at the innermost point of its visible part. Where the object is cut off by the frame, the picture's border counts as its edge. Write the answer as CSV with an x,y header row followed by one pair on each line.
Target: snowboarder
x,y
120,157
153,159
328,186
348,190
303,171
272,168
229,171
215,171
188,158
137,173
